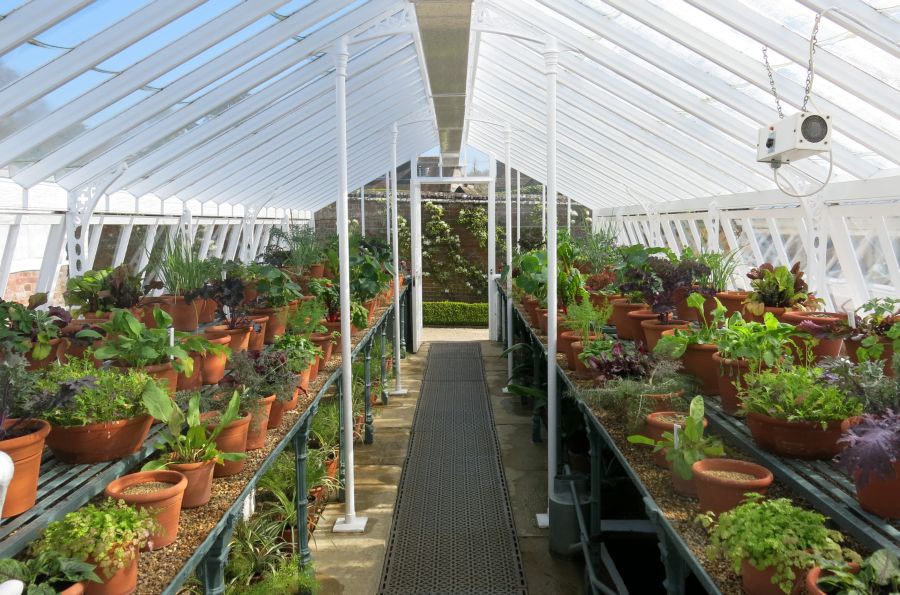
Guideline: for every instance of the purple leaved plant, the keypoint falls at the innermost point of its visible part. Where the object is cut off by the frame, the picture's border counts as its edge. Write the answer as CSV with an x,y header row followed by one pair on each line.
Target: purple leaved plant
x,y
873,446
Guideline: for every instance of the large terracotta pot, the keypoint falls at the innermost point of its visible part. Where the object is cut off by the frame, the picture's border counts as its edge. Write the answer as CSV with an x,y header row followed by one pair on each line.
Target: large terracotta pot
x,y
165,373
601,300
199,482
542,320
206,310
653,329
213,364
184,315
256,435
731,381
370,306
531,308
564,345
240,337
276,323
302,385
315,366
734,302
123,582
73,589
25,452
257,338
720,493
581,368
887,355
195,380
759,582
698,361
165,503
685,312
798,439
232,438
881,495
684,487
812,578
57,348
626,327
825,347
97,443
323,341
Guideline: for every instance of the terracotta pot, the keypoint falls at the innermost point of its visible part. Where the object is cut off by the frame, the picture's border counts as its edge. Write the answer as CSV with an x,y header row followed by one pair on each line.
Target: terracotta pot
x,y
626,327
256,436
199,482
250,293
323,342
684,487
798,439
334,326
370,306
123,582
184,315
240,337
601,300
302,384
232,438
731,380
213,365
97,443
358,424
25,452
887,355
531,308
721,494
825,347
57,347
734,302
698,361
276,323
315,367
663,401
542,320
315,270
195,380
165,373
206,311
652,328
73,589
655,424
165,503
581,368
332,466
812,578
257,339
759,582
276,414
685,312
880,494
565,346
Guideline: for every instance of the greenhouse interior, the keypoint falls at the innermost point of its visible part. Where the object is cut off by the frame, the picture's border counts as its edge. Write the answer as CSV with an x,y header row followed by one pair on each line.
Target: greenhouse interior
x,y
469,297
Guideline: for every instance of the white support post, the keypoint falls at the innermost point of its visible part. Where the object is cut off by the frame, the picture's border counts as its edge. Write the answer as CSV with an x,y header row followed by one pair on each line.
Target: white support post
x,y
568,213
543,211
12,238
507,178
493,319
847,257
518,210
122,243
387,208
395,252
551,67
415,229
349,523
362,210
52,260
233,238
816,245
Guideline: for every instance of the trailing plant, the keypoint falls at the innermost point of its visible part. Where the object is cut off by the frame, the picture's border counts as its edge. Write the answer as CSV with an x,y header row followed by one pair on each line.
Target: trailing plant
x,y
289,577
769,343
702,332
130,343
47,573
265,373
866,381
29,330
685,445
875,322
108,534
257,549
586,318
798,394
772,534
879,574
779,287
873,447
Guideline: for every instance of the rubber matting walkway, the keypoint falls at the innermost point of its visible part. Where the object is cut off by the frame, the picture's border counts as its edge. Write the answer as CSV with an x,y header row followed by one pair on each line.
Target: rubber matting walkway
x,y
453,529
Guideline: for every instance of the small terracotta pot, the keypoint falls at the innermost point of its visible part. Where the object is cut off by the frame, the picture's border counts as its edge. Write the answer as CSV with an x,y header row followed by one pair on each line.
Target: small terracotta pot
x,y
323,342
542,320
887,355
25,452
731,381
213,364
825,347
199,482
165,373
656,424
97,443
798,439
184,315
302,384
531,308
601,300
734,302
206,311
315,270
195,380
812,578
626,327
276,414
73,589
759,582
165,503
315,367
663,401
370,306
581,369
721,494
276,323
684,487
232,438
565,346
698,361
881,495
239,337
653,329
57,347
334,326
257,338
256,436
685,312
123,582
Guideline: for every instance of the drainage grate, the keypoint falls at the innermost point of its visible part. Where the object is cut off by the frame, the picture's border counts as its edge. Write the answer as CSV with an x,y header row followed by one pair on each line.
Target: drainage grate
x,y
453,529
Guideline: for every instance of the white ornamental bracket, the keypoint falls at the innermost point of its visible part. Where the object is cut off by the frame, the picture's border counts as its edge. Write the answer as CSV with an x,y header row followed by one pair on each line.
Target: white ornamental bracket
x,y
81,204
248,224
713,218
816,238
653,219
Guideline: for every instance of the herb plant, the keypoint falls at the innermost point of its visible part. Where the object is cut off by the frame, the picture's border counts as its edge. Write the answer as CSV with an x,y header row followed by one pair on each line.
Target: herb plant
x,y
131,343
178,266
873,446
48,573
798,394
703,332
876,320
275,287
762,344
864,380
265,373
328,294
585,318
308,318
617,359
296,246
879,574
300,351
29,330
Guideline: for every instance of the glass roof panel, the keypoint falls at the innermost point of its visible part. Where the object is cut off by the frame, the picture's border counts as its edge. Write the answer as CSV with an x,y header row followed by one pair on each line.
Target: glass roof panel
x,y
89,21
7,6
292,7
53,101
23,60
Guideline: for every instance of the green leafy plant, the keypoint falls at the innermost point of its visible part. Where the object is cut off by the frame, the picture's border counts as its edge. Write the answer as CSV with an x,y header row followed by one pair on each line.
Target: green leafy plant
x,y
178,266
586,318
663,283
598,249
772,534
798,394
778,287
328,294
703,332
876,322
722,266
47,573
297,247
130,343
685,445
879,574
275,287
89,292
326,424
368,276
308,318
530,274
201,345
769,343
300,351
359,315
109,534
865,381
257,549
288,577
454,314
187,438
25,329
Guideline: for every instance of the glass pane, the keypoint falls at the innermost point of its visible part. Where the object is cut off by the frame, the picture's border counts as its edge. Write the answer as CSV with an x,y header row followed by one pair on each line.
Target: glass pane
x,y
7,6
53,101
89,21
106,247
23,60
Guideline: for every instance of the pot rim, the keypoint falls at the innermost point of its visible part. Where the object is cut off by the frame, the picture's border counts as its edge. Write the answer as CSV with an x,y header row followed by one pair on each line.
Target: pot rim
x,y
808,425
99,426
176,480
190,466
763,476
40,433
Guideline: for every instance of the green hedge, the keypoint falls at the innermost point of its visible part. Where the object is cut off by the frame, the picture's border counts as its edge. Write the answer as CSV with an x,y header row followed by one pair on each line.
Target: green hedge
x,y
454,314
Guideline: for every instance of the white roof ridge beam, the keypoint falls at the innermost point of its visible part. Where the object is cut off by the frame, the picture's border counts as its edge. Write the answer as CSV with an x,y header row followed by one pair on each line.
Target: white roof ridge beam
x,y
795,47
31,18
746,68
863,20
255,130
91,52
635,140
193,82
728,97
121,85
264,106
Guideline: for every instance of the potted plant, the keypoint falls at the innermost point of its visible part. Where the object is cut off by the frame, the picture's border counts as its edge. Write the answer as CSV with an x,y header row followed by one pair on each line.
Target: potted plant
x,y
49,573
791,412
189,446
159,492
368,277
267,376
872,458
181,272
749,346
615,359
684,445
88,294
722,484
104,419
584,320
276,292
296,248
328,295
307,321
32,332
588,349
874,333
232,437
530,275
301,353
879,574
771,543
630,270
228,294
209,356
777,290
696,345
816,332
108,536
865,381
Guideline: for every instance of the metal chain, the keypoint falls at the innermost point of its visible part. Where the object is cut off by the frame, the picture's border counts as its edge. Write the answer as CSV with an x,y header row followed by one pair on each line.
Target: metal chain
x,y
765,52
810,71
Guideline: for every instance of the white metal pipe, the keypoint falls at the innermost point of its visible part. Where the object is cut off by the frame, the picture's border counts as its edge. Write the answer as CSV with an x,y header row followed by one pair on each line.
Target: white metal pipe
x,y
387,208
362,210
395,251
349,522
507,184
543,211
493,317
518,209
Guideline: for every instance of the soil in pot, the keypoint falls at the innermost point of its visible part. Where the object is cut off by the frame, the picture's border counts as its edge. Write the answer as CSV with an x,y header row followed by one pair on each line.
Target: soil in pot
x,y
199,482
626,327
257,339
653,329
232,438
240,337
123,582
759,582
24,447
731,381
97,443
159,491
722,483
798,439
256,436
881,495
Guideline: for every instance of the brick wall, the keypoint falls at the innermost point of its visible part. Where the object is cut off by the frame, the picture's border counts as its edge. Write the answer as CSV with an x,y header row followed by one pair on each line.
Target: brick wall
x,y
23,284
